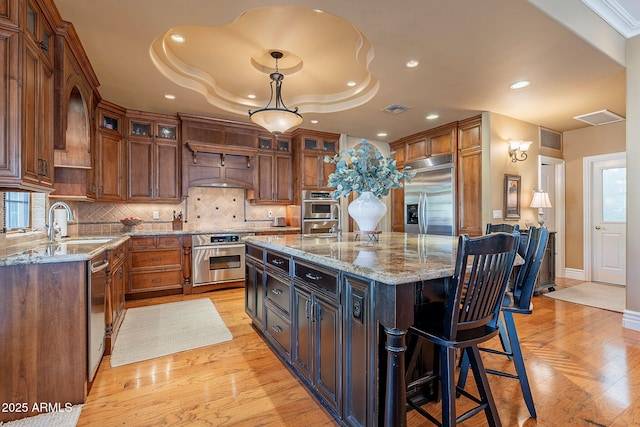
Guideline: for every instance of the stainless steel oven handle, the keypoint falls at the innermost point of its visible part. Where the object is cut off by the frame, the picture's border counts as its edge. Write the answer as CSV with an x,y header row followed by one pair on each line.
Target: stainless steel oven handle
x,y
219,246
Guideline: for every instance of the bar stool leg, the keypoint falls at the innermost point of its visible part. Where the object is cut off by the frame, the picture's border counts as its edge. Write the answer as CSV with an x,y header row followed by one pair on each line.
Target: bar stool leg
x,y
518,360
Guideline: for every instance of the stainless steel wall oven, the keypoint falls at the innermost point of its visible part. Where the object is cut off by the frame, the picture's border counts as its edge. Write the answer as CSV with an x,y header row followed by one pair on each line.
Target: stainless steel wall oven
x,y
218,258
319,211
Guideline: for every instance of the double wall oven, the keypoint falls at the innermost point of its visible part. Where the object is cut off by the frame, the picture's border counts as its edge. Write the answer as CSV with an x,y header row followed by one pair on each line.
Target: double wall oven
x,y
319,211
218,258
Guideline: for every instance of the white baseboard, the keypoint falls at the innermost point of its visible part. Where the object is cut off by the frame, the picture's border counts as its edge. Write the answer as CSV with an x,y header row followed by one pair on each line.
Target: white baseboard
x,y
574,273
631,320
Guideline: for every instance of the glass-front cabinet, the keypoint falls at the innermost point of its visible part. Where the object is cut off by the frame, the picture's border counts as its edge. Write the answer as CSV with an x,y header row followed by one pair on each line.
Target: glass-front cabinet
x,y
153,153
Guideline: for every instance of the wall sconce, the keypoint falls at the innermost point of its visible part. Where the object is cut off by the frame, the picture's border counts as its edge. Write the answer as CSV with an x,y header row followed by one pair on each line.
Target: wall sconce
x,y
518,150
540,201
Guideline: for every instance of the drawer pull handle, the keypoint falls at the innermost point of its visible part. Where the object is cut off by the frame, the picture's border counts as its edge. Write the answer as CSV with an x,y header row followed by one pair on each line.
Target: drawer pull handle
x,y
313,276
157,258
277,262
277,291
156,280
277,329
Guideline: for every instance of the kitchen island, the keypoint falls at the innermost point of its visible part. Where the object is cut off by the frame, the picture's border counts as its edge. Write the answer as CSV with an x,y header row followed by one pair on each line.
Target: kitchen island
x,y
336,311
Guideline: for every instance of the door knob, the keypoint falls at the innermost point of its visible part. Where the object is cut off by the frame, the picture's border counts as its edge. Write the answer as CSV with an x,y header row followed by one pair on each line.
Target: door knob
x,y
598,227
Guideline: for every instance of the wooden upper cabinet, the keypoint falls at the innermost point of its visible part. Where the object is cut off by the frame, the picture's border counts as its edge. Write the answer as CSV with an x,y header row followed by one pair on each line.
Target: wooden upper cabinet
x,y
273,177
153,153
469,134
310,170
9,13
10,145
75,86
442,141
110,154
74,128
38,107
433,142
417,149
469,194
398,153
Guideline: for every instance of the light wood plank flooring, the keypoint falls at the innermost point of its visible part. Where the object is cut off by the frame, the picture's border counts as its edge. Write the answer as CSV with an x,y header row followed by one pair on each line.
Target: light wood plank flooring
x,y
583,366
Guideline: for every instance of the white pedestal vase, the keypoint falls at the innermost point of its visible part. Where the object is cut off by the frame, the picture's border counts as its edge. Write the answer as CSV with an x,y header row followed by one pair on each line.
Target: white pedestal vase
x,y
367,211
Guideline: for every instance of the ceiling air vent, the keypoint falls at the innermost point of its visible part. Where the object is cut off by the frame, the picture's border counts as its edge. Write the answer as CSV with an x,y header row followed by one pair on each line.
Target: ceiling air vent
x,y
598,118
395,109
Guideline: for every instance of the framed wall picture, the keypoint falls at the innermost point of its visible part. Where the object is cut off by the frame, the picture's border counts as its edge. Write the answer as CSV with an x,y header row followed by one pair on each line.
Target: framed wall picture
x,y
512,197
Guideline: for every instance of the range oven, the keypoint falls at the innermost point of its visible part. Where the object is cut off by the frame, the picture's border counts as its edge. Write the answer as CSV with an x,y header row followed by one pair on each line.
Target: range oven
x,y
217,258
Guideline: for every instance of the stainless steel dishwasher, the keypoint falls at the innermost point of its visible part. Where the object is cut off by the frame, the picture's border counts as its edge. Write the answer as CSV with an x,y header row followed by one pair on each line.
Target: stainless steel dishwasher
x,y
96,285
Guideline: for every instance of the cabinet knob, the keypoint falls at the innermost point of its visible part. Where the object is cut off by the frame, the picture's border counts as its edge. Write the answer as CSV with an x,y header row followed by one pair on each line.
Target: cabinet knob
x,y
598,227
44,46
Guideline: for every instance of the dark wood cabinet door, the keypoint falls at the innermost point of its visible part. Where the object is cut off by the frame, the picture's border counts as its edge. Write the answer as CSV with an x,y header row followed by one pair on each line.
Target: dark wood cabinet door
x,y
9,13
283,179
9,102
153,148
266,178
110,167
166,171
140,169
470,177
311,172
302,340
397,209
31,162
327,351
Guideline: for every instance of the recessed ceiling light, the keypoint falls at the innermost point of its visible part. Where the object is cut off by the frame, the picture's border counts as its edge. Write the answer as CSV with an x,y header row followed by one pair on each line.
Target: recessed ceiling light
x,y
314,121
520,84
432,116
169,96
177,38
412,63
251,96
318,11
351,83
382,134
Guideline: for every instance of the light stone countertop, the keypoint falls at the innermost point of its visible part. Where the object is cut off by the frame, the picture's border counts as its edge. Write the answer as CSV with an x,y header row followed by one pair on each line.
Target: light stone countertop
x,y
40,251
395,258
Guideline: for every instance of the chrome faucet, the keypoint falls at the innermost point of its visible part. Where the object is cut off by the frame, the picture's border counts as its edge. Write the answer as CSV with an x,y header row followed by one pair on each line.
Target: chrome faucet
x,y
51,229
334,229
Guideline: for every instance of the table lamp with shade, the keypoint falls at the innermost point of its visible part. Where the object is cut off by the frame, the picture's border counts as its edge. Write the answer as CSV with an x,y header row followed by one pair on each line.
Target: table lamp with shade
x,y
540,201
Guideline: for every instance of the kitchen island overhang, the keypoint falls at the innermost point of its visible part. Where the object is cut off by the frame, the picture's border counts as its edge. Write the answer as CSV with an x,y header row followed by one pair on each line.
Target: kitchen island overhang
x,y
314,298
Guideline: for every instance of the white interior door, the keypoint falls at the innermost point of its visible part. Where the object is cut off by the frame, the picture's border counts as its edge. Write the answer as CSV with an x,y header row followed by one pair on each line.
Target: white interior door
x,y
548,184
609,221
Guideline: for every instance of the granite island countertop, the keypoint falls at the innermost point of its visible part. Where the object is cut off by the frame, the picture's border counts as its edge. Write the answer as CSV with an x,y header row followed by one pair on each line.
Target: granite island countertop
x,y
394,259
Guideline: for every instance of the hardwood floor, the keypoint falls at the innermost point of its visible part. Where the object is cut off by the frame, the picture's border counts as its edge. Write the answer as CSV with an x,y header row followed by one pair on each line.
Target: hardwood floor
x,y
583,366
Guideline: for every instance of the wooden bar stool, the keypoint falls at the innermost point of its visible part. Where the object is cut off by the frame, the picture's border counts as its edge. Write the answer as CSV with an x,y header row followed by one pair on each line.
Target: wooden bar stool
x,y
517,302
471,313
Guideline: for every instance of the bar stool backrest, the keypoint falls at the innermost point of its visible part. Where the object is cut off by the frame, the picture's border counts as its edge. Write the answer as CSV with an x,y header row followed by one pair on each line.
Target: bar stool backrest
x,y
526,278
505,228
482,270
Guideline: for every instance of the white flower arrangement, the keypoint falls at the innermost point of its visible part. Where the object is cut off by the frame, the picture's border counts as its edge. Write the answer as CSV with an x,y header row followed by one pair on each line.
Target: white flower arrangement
x,y
365,169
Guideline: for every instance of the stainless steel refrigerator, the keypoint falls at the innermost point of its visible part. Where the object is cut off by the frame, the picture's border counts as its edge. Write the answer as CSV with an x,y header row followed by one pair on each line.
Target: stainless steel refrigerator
x,y
429,197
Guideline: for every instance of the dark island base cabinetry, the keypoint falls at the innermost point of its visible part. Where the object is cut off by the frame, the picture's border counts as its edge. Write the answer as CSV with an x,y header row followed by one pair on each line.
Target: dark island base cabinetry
x,y
318,321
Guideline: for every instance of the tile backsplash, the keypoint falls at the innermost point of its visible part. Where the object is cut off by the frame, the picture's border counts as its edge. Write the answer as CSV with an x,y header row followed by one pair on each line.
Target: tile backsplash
x,y
206,208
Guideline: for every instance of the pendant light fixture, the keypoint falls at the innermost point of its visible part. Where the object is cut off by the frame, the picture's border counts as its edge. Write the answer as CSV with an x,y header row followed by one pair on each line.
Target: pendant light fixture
x,y
279,118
